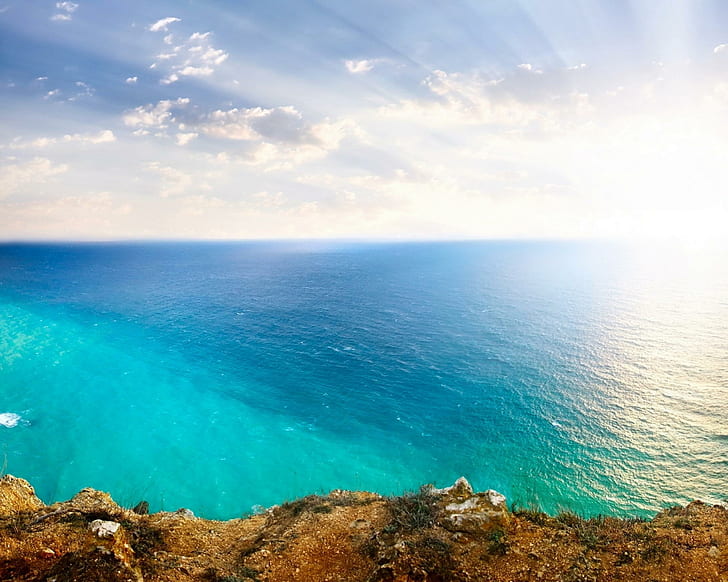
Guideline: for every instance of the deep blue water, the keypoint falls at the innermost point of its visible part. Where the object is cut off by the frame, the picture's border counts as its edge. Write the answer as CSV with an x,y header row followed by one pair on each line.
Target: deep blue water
x,y
219,376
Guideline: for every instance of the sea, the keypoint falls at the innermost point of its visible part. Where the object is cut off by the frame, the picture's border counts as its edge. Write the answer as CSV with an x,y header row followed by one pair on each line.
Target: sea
x,y
226,377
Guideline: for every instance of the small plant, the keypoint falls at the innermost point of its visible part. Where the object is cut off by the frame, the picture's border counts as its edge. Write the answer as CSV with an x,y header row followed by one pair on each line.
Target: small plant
x,y
16,524
498,542
310,503
413,511
435,557
656,550
590,532
144,539
532,514
682,523
569,519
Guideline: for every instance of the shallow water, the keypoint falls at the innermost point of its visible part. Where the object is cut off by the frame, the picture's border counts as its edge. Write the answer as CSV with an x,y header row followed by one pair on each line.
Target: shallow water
x,y
219,376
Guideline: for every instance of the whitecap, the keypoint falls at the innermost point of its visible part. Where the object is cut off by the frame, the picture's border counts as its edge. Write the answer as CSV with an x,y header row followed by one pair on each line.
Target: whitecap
x,y
9,419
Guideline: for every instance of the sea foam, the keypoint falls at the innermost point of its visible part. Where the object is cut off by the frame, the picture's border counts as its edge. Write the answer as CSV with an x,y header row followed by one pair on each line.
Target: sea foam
x,y
9,419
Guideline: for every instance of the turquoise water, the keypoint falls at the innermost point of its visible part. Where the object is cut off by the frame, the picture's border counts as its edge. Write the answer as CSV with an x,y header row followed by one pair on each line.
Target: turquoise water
x,y
228,375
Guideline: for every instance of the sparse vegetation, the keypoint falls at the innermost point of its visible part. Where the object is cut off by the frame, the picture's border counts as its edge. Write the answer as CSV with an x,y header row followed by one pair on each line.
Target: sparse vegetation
x,y
145,539
498,542
360,537
413,511
532,514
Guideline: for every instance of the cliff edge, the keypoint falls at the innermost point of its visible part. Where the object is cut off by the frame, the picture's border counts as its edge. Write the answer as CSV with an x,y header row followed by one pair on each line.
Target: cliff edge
x,y
434,535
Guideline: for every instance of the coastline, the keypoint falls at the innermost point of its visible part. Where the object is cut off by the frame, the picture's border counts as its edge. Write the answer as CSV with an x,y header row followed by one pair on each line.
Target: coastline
x,y
432,535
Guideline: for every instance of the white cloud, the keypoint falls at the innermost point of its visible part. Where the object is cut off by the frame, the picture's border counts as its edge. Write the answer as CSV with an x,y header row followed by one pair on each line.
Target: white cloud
x,y
538,103
174,181
721,48
84,90
66,11
38,170
277,124
320,140
53,93
361,66
67,6
92,215
284,139
185,138
528,67
103,136
163,23
280,137
157,116
131,80
193,57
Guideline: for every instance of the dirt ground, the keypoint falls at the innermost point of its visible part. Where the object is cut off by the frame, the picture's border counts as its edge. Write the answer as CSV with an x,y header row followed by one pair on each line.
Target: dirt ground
x,y
429,536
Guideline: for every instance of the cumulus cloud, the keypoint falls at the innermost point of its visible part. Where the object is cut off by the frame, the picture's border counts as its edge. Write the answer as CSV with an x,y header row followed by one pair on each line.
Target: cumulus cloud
x,y
279,137
66,10
316,143
131,80
194,56
163,23
284,139
283,124
152,116
361,66
15,175
721,48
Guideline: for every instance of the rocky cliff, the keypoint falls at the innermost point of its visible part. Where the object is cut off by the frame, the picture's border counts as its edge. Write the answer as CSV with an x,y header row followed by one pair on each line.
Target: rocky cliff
x,y
433,535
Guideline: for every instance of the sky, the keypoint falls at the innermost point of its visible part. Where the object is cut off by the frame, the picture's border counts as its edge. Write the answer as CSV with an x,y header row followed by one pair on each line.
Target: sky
x,y
376,119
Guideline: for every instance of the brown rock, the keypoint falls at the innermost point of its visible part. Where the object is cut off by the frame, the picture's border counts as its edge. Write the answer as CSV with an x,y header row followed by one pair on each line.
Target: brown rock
x,y
17,496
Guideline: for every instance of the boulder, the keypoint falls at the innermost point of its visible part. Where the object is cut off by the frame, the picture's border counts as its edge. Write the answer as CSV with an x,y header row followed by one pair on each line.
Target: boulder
x,y
17,496
90,501
469,512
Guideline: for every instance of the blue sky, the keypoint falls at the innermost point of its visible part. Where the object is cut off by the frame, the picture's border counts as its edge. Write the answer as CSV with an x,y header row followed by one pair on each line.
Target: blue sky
x,y
378,119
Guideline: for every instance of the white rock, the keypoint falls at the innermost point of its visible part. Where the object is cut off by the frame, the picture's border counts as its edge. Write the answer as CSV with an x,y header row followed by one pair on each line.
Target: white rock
x,y
461,484
469,504
496,498
469,522
104,529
